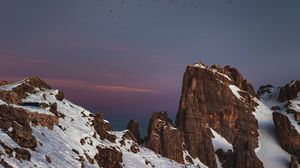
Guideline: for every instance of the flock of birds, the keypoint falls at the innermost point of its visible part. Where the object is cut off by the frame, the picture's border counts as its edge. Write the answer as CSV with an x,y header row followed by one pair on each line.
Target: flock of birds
x,y
181,3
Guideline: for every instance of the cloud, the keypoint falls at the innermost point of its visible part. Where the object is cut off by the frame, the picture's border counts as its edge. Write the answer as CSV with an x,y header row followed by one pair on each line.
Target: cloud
x,y
79,84
12,60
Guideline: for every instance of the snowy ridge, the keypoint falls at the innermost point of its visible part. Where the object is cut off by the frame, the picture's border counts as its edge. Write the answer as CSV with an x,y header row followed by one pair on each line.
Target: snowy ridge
x,y
203,66
63,144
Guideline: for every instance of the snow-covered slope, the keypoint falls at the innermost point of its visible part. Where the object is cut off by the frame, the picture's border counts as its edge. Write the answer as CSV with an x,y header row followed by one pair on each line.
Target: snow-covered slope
x,y
73,142
270,152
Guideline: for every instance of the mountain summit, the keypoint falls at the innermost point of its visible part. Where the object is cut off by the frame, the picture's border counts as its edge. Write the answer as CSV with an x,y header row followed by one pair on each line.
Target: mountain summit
x,y
221,122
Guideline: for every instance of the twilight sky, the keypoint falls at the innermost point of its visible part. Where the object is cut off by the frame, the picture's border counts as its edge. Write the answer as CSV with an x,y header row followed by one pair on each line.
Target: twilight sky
x,y
126,58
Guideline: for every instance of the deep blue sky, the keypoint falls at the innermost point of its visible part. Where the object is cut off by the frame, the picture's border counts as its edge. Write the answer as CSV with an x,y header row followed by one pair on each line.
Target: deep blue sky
x,y
126,58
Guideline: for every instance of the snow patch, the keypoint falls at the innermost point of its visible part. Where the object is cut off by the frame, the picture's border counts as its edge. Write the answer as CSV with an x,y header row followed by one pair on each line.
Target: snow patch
x,y
220,142
10,87
196,160
199,65
235,90
219,73
2,102
33,109
10,129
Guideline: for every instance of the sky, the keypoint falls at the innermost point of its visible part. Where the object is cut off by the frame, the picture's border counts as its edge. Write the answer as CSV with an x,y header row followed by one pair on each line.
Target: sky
x,y
126,58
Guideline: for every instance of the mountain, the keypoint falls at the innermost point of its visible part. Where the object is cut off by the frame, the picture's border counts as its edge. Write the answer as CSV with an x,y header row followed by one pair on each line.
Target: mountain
x,y
40,128
221,122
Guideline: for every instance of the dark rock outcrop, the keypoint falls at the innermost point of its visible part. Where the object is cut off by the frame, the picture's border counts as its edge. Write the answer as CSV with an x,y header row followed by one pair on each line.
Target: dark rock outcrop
x,y
288,135
22,154
16,123
227,159
294,162
133,126
163,138
60,95
103,127
108,158
44,120
289,91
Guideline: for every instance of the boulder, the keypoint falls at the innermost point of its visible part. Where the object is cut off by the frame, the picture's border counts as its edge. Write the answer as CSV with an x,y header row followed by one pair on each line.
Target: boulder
x,y
108,158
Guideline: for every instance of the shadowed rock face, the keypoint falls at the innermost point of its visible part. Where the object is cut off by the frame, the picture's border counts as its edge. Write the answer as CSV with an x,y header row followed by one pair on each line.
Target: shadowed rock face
x,y
133,126
164,138
289,91
103,127
294,162
288,135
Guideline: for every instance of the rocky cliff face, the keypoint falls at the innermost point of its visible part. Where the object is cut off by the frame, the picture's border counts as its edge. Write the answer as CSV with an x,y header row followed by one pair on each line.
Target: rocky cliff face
x,y
217,98
288,136
164,138
289,91
218,102
213,97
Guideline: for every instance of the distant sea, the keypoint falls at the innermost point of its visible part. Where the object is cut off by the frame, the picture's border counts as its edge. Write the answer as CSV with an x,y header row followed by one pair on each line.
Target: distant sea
x,y
121,124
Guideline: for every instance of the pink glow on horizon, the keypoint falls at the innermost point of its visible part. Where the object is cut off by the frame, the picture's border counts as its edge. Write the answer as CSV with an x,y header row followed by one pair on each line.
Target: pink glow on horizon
x,y
97,87
85,85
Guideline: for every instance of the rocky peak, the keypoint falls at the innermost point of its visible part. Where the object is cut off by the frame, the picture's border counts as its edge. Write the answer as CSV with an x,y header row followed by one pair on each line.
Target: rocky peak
x,y
13,93
36,82
230,73
133,127
102,127
163,138
217,98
